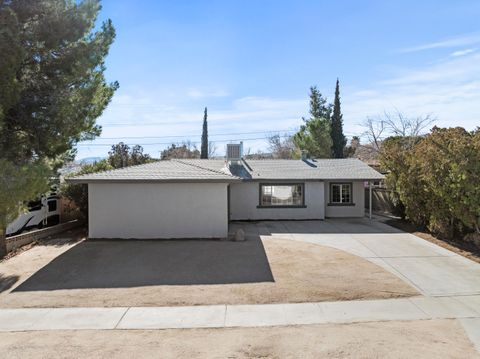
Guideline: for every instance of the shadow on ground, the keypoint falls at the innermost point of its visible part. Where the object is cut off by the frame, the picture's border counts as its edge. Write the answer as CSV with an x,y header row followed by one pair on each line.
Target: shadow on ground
x,y
327,226
6,282
133,263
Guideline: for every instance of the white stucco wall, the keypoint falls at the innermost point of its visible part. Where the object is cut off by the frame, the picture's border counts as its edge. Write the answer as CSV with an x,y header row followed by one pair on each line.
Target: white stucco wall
x,y
158,210
244,199
357,210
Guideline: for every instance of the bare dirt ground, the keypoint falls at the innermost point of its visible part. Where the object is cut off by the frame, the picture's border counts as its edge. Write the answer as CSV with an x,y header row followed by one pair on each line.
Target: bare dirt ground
x,y
165,273
427,339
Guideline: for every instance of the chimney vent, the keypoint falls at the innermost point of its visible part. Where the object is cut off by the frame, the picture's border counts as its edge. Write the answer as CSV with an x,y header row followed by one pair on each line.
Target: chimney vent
x,y
304,155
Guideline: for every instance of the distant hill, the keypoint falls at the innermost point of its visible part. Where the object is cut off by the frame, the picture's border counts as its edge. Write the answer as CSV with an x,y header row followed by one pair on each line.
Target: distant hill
x,y
89,160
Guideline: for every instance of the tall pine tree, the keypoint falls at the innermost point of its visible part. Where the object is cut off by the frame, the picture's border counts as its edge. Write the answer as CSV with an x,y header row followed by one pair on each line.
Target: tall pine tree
x,y
336,126
314,135
204,148
52,90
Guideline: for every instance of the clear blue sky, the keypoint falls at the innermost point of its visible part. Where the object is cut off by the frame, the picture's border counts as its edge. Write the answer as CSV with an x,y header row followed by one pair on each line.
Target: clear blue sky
x,y
252,63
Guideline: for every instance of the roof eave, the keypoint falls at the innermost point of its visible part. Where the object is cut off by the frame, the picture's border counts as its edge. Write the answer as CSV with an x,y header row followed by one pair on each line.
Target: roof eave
x,y
376,178
173,180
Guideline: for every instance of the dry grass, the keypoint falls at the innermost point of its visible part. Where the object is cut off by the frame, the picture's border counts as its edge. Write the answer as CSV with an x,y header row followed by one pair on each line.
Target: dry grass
x,y
428,339
302,272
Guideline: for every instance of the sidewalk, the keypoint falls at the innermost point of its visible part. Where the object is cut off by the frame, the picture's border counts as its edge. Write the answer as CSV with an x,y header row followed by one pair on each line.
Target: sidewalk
x,y
450,285
226,316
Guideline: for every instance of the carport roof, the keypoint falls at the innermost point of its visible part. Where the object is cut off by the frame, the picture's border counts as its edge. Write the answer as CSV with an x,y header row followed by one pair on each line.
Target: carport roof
x,y
196,170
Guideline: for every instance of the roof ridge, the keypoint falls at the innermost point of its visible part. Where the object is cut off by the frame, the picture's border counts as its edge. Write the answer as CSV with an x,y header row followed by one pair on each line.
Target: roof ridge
x,y
203,168
115,169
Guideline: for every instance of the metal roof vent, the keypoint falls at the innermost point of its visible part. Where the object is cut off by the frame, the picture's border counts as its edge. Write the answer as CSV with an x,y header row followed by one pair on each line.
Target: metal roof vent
x,y
234,151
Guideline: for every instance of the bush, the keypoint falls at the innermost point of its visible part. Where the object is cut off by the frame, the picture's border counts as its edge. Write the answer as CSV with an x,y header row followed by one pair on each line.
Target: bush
x,y
473,238
437,178
78,193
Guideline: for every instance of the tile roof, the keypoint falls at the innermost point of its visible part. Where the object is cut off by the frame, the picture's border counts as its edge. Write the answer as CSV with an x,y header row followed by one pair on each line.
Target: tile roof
x,y
196,170
161,171
325,169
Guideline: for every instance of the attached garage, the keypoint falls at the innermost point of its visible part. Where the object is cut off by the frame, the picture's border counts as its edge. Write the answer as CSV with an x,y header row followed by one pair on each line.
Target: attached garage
x,y
165,199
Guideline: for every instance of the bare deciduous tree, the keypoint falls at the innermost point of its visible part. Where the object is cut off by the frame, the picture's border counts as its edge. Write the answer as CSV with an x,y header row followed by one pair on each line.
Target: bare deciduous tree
x,y
282,147
374,130
395,124
401,125
212,149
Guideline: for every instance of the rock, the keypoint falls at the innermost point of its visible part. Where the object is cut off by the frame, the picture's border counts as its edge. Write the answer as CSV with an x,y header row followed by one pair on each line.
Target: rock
x,y
239,235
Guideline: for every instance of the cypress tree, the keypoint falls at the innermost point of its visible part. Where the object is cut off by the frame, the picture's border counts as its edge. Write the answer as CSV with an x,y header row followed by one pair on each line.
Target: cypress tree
x,y
336,126
204,148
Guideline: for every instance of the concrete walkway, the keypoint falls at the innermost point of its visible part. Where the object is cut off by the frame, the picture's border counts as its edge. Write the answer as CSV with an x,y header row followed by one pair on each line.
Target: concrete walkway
x,y
432,270
224,316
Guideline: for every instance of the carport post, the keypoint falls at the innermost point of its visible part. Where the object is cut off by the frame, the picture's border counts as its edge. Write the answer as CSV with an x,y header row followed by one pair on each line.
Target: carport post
x,y
370,199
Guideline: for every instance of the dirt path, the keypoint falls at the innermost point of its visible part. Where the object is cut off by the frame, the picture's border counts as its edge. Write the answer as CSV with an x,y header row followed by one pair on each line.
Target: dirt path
x,y
429,339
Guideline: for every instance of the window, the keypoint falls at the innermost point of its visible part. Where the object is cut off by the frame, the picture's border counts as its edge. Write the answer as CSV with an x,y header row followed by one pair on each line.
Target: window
x,y
34,206
281,195
52,206
341,193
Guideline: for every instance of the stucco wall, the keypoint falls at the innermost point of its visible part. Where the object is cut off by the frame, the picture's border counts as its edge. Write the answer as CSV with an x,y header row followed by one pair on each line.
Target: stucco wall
x,y
158,210
244,199
357,210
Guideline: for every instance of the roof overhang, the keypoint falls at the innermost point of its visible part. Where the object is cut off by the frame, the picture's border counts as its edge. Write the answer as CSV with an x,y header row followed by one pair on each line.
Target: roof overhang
x,y
270,179
134,180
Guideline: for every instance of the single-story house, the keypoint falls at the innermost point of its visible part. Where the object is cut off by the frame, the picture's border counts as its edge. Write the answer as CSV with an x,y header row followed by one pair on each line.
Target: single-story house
x,y
196,198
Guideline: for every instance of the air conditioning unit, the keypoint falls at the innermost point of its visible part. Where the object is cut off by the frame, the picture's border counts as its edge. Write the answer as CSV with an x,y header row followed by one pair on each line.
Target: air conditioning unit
x,y
234,151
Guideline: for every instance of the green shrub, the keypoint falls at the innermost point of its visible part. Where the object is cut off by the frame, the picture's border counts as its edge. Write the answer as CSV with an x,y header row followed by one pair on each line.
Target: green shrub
x,y
436,178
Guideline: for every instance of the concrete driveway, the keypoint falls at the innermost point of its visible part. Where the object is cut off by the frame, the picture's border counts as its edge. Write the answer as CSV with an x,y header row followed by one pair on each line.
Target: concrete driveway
x,y
432,270
450,285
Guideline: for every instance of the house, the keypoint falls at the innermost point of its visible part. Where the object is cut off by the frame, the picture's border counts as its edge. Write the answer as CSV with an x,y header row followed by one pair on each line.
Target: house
x,y
193,198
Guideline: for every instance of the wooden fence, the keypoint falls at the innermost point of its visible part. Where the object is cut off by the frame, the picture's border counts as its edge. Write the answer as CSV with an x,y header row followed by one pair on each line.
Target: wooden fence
x,y
381,201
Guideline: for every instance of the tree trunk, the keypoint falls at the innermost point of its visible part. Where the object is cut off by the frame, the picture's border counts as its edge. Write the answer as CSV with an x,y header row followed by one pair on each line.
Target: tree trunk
x,y
3,243
452,227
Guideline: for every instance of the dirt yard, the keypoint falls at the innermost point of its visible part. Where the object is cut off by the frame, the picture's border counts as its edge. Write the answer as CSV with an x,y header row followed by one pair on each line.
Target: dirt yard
x,y
196,272
429,339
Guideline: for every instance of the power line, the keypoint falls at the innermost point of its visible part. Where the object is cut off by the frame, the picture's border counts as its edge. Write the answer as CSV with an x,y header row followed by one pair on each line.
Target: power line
x,y
148,124
169,143
184,136
185,140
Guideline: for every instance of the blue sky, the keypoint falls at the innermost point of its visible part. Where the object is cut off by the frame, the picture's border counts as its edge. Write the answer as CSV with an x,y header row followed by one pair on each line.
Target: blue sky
x,y
252,63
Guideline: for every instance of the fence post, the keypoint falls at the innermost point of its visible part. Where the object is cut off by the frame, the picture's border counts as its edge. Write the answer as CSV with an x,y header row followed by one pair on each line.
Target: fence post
x,y
370,199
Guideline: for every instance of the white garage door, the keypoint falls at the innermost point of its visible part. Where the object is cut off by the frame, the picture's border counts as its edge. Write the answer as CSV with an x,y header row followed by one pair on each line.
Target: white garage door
x,y
158,210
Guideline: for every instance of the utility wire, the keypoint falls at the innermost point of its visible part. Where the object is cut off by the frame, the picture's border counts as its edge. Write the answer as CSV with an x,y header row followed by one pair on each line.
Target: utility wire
x,y
184,136
169,143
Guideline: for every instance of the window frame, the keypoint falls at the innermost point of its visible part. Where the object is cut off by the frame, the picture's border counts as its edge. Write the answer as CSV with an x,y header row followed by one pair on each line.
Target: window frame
x,y
331,203
52,205
260,192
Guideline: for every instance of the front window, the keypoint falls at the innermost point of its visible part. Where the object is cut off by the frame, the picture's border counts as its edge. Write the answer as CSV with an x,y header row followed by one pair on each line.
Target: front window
x,y
341,193
281,195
